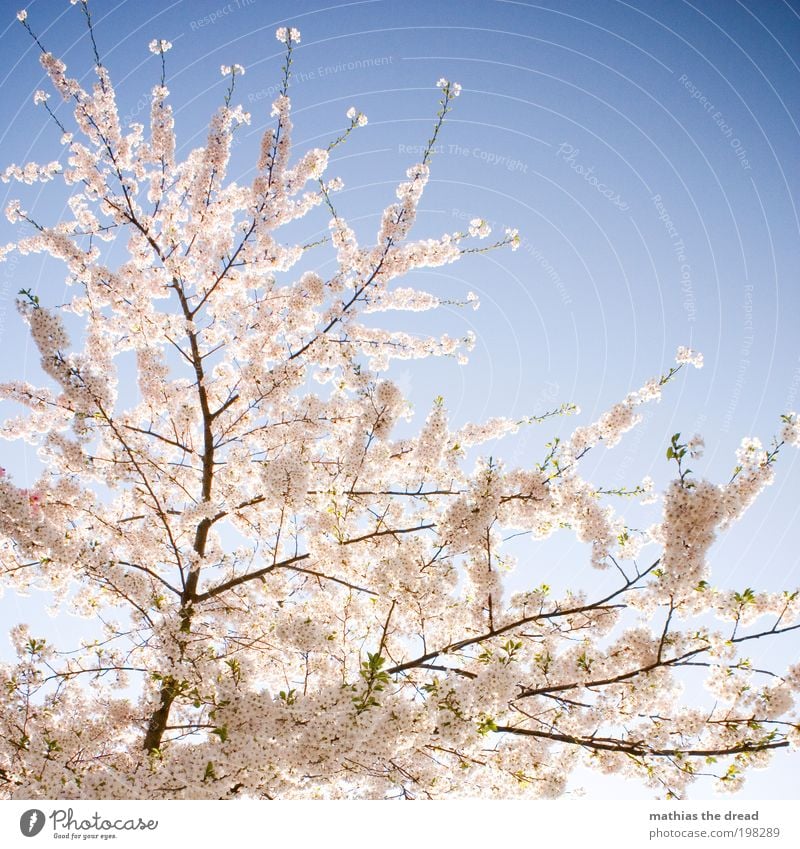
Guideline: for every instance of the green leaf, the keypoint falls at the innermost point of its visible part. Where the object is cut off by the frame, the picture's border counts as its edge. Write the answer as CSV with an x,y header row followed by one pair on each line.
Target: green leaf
x,y
486,725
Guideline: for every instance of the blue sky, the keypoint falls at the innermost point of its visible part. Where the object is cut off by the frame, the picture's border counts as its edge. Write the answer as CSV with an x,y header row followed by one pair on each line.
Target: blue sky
x,y
646,151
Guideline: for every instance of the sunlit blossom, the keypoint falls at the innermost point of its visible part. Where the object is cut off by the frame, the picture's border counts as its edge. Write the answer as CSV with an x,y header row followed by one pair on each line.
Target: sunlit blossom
x,y
299,582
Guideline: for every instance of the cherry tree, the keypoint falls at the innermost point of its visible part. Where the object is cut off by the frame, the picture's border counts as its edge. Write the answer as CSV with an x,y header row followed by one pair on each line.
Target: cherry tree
x,y
294,600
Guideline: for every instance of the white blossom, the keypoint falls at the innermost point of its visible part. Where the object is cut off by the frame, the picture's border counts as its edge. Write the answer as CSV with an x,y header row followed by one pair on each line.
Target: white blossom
x,y
480,228
696,445
160,45
296,585
285,35
689,357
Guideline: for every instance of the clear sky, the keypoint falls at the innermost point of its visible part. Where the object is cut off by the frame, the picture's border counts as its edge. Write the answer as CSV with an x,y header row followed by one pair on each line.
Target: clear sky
x,y
646,151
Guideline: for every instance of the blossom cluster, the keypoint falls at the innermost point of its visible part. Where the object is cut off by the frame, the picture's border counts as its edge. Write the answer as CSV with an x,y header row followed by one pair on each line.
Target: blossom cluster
x,y
160,45
287,35
291,597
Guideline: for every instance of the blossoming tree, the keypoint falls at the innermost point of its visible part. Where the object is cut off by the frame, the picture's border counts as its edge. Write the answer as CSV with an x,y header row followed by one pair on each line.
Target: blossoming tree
x,y
295,602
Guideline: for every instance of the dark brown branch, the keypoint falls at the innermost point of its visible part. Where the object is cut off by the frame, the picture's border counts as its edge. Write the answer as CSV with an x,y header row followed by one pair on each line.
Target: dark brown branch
x,y
602,604
609,744
250,576
284,564
163,438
